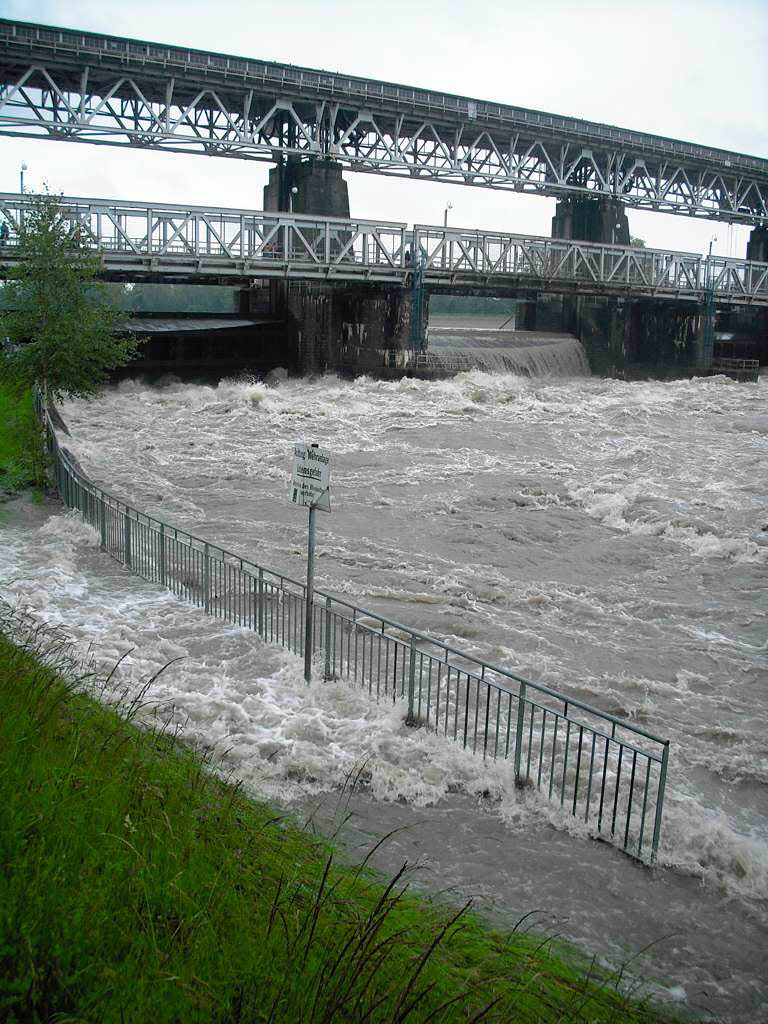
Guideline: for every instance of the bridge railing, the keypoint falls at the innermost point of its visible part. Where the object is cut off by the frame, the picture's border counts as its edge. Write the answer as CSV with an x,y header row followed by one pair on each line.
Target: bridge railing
x,y
459,254
200,240
180,234
602,771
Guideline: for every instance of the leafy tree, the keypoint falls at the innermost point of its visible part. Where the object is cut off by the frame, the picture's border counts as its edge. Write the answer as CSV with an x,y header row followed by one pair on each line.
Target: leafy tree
x,y
60,323
639,243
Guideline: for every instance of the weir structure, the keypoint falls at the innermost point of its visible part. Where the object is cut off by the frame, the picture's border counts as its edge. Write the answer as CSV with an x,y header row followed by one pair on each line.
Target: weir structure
x,y
357,290
607,774
64,84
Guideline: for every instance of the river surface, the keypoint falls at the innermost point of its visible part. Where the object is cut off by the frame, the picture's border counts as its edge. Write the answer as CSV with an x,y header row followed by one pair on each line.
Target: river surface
x,y
608,539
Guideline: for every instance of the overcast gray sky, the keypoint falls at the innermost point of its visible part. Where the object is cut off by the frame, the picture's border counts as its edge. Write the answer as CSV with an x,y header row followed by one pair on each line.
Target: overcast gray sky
x,y
692,69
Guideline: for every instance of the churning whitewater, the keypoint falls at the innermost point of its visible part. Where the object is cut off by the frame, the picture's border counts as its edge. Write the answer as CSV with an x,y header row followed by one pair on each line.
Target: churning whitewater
x,y
605,538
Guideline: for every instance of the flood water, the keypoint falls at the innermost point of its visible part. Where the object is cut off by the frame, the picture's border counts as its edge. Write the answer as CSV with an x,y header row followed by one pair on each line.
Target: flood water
x,y
605,538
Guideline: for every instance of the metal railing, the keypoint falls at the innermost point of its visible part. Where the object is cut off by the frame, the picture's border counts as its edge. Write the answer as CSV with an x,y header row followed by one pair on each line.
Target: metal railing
x,y
738,369
458,256
196,240
605,772
750,365
136,239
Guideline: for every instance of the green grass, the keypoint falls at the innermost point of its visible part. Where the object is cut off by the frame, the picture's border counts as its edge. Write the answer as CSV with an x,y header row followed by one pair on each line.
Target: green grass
x,y
22,460
138,886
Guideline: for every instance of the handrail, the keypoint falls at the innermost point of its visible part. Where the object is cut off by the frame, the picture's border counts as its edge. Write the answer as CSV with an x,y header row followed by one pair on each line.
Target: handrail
x,y
367,613
486,708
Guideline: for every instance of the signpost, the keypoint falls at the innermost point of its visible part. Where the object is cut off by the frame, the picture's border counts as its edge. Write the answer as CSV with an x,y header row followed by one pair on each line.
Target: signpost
x,y
309,486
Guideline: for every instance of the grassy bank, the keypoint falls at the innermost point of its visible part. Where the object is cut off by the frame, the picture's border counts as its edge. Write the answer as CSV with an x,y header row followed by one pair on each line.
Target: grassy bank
x,y
135,886
21,453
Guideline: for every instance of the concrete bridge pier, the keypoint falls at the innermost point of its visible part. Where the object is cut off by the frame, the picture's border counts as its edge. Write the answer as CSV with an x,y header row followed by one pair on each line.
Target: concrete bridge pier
x,y
757,246
527,312
320,188
635,336
340,326
351,328
336,326
591,220
602,325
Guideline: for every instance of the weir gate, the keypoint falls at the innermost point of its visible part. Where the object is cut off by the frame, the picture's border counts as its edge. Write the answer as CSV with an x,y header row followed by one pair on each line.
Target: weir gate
x,y
607,774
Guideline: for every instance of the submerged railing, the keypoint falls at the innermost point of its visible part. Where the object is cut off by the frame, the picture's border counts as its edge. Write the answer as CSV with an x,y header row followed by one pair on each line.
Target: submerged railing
x,y
608,773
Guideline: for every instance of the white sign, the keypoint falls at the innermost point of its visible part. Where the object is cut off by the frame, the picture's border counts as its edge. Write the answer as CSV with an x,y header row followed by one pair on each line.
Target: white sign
x,y
311,476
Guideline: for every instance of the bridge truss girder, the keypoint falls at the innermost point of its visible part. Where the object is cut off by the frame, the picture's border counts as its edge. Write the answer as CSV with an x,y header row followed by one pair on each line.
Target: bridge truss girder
x,y
165,242
148,104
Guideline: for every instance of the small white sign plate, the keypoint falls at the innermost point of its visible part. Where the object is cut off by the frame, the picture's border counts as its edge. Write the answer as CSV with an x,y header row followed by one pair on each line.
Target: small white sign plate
x,y
311,476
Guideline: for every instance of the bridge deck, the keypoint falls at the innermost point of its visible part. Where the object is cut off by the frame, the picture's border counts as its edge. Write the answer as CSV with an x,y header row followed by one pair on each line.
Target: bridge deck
x,y
166,242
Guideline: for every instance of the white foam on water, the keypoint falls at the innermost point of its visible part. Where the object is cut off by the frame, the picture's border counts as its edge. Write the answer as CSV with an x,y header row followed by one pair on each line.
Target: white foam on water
x,y
504,352
248,700
234,693
598,536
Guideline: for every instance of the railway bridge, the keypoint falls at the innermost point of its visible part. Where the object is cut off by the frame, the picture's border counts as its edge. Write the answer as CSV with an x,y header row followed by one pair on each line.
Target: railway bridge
x,y
79,86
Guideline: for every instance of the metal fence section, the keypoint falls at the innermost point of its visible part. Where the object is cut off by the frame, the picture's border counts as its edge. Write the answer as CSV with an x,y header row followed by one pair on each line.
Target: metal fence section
x,y
607,773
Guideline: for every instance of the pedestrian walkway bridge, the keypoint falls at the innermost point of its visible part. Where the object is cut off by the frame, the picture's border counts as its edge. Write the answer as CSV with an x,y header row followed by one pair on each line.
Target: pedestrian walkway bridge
x,y
166,242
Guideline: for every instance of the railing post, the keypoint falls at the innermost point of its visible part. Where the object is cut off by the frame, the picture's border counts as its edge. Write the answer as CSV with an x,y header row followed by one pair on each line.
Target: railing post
x,y
660,802
519,734
127,533
103,522
411,718
327,671
260,604
161,559
206,580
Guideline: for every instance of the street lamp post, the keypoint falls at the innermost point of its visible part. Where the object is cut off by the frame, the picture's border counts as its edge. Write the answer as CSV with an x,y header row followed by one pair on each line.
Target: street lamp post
x,y
710,275
448,206
294,192
706,348
21,177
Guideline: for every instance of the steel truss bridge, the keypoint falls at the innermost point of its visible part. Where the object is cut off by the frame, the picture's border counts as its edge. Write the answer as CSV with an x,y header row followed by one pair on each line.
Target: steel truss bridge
x,y
78,86
166,242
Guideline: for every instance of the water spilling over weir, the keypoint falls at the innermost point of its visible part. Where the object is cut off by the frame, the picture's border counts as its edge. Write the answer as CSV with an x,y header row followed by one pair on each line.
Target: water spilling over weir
x,y
456,344
605,538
